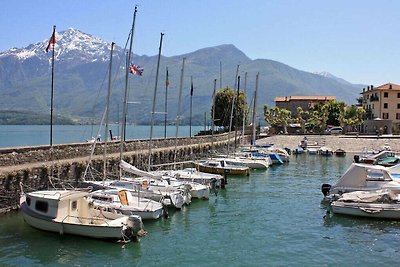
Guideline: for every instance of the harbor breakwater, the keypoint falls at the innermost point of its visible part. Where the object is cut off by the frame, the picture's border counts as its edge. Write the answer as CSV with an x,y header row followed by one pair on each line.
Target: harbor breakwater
x,y
40,167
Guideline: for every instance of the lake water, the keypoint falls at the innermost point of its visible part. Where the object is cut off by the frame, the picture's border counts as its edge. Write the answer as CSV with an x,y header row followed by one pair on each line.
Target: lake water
x,y
271,218
31,135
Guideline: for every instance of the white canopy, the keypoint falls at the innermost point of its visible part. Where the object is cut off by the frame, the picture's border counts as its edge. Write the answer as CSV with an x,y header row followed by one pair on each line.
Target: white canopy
x,y
358,174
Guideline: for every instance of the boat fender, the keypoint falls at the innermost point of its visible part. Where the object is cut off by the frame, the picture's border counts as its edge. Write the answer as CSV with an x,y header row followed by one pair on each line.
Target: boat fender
x,y
325,189
145,185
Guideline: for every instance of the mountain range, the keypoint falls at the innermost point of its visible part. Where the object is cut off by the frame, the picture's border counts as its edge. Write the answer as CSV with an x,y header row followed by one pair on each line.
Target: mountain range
x,y
81,76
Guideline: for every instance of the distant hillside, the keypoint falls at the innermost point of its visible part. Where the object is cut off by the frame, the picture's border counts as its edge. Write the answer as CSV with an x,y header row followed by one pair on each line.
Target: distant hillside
x,y
29,118
81,80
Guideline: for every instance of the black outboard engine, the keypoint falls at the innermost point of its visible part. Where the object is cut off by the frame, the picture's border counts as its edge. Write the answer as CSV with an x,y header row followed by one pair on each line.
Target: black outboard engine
x,y
356,158
325,189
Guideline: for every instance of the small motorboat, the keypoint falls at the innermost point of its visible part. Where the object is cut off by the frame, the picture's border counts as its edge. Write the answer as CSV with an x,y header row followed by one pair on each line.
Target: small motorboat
x,y
382,204
340,152
325,151
70,212
221,167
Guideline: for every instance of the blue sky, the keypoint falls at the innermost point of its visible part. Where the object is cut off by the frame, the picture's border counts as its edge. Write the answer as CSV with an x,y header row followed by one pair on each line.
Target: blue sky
x,y
358,40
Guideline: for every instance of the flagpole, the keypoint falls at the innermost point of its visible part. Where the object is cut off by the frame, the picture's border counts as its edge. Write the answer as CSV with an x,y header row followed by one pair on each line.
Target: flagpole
x,y
166,96
125,107
52,87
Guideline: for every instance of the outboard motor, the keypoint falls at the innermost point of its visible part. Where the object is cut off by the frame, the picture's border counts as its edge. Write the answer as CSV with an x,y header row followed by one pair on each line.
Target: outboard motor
x,y
325,188
135,225
356,158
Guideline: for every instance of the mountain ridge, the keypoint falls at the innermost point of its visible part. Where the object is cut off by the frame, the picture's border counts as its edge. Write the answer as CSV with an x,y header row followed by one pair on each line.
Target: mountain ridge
x,y
82,66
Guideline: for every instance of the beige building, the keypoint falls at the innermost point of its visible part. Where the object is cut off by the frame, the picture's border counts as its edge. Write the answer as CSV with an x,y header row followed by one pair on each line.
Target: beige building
x,y
291,103
382,104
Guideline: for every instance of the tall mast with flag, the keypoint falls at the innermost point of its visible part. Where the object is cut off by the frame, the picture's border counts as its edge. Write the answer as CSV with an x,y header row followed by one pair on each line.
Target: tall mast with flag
x,y
52,43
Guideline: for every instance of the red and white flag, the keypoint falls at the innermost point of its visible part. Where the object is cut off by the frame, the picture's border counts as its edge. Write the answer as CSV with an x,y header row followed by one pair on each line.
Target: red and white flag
x,y
136,70
52,40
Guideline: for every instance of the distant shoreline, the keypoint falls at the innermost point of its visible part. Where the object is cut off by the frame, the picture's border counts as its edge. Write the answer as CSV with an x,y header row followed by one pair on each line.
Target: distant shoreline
x,y
351,143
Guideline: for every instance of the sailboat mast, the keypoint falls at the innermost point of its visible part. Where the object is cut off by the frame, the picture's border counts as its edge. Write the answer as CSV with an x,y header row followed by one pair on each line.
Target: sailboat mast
x,y
237,111
213,115
154,101
179,107
107,113
166,104
52,87
244,110
253,141
220,75
123,129
191,104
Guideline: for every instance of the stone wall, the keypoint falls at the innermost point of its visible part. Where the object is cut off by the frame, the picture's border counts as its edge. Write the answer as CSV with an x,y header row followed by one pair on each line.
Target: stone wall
x,y
40,167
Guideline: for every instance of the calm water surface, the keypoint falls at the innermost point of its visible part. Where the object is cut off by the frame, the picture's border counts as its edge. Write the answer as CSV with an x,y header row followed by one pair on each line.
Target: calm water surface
x,y
271,218
32,135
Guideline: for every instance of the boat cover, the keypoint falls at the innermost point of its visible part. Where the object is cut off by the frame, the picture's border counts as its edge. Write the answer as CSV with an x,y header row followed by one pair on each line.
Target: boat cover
x,y
357,175
380,196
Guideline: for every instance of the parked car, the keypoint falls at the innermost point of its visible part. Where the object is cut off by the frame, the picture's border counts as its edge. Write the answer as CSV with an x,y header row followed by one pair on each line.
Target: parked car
x,y
336,130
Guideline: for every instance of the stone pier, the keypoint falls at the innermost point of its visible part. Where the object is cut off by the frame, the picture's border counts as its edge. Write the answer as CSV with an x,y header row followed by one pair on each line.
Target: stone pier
x,y
42,167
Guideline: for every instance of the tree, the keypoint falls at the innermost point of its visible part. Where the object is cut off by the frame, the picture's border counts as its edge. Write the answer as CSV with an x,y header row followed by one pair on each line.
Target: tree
x,y
352,116
319,114
302,118
334,110
223,107
277,117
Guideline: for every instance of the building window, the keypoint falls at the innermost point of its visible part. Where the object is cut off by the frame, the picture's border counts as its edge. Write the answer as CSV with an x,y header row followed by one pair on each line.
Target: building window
x,y
385,94
398,95
385,105
385,116
397,116
398,105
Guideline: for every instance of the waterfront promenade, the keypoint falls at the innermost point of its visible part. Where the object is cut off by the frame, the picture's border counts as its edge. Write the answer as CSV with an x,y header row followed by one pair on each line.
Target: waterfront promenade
x,y
350,143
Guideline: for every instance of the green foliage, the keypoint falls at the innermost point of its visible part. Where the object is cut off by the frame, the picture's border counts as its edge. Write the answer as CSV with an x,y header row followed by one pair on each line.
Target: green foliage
x,y
302,118
277,117
29,118
223,107
352,116
334,109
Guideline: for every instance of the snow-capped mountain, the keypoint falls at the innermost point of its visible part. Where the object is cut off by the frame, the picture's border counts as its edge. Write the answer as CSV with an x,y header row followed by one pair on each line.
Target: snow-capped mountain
x,y
71,44
331,76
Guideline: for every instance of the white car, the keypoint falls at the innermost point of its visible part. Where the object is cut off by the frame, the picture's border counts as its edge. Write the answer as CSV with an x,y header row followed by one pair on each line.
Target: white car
x,y
336,130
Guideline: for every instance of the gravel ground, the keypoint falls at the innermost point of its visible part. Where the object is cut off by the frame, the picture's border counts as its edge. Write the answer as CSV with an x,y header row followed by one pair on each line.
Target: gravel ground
x,y
351,144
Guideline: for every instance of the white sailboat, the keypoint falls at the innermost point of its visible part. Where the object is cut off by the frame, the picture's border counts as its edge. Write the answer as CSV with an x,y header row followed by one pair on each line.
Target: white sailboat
x,y
124,202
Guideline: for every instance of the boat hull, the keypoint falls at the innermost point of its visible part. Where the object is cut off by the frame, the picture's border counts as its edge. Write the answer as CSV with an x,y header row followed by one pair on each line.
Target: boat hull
x,y
371,210
111,230
223,171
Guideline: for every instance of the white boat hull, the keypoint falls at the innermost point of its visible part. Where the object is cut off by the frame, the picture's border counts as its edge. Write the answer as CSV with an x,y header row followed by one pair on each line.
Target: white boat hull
x,y
371,210
110,230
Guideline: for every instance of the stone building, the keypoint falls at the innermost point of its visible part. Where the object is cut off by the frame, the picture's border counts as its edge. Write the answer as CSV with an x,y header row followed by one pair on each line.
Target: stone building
x,y
382,104
291,103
